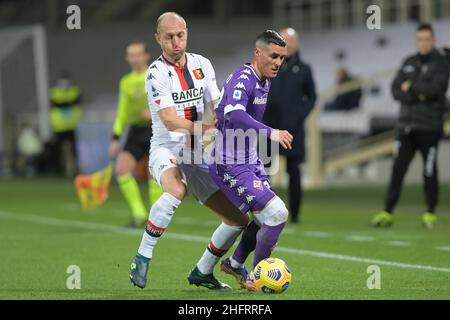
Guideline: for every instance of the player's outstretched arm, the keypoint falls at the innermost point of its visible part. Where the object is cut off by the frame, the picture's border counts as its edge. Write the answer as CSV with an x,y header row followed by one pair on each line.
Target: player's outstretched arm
x,y
244,121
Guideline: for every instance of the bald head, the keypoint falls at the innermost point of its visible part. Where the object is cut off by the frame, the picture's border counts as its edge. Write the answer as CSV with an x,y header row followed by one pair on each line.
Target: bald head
x,y
168,20
291,37
171,35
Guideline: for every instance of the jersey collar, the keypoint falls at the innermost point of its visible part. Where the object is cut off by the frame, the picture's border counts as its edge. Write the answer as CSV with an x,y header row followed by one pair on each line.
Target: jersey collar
x,y
173,65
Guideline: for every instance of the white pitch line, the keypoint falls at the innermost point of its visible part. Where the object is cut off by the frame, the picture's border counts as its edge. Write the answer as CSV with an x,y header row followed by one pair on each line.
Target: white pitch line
x,y
397,243
317,234
443,248
185,237
360,238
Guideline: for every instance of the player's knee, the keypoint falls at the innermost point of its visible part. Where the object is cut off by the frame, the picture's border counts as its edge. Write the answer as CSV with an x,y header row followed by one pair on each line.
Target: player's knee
x,y
178,190
275,212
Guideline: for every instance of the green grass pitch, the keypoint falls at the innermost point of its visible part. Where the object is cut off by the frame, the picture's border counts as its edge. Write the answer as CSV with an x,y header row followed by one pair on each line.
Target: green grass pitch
x,y
43,231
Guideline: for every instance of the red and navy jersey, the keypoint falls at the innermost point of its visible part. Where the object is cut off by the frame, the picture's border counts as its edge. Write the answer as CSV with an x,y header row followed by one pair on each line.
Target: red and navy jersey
x,y
186,88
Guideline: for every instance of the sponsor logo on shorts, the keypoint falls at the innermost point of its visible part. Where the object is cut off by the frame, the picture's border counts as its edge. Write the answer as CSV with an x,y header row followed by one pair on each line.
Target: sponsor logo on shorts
x,y
233,182
241,190
257,185
227,177
249,198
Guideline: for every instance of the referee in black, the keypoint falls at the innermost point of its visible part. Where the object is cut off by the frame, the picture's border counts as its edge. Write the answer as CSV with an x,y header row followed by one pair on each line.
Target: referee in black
x,y
420,86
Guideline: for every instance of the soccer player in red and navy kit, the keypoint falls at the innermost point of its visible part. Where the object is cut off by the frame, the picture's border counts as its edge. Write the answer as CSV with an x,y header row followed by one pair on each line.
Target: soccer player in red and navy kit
x,y
179,85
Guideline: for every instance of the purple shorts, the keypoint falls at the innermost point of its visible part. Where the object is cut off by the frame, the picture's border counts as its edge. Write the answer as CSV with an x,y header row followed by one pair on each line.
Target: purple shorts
x,y
245,185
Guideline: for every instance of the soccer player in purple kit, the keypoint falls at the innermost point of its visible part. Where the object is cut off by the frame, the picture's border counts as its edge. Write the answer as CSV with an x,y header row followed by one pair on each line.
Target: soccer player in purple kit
x,y
238,171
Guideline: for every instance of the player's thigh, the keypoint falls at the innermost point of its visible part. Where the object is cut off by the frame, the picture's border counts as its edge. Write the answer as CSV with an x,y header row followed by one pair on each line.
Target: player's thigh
x,y
165,170
226,210
202,186
125,163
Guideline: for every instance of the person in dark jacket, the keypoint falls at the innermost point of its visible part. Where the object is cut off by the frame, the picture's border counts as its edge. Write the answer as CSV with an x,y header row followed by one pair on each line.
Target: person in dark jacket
x,y
348,100
420,85
291,98
446,53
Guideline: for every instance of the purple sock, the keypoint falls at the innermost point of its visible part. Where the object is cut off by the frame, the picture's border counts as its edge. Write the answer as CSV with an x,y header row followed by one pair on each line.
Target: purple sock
x,y
247,243
266,239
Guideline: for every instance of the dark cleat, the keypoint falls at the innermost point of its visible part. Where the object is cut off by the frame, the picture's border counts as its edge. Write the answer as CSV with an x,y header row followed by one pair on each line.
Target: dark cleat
x,y
138,271
206,280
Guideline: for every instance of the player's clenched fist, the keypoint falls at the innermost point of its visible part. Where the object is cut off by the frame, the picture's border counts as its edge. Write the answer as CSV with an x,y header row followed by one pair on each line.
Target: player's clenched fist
x,y
283,137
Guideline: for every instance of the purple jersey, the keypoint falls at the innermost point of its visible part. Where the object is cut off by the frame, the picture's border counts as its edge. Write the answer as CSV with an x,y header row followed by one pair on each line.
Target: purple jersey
x,y
237,169
238,131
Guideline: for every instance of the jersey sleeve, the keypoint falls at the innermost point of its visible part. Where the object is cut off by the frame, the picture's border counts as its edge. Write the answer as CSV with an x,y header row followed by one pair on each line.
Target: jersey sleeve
x,y
158,91
237,92
212,92
122,110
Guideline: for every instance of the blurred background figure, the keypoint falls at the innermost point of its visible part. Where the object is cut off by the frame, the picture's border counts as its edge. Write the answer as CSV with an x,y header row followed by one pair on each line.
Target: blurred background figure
x,y
420,85
348,100
291,99
133,111
65,114
29,151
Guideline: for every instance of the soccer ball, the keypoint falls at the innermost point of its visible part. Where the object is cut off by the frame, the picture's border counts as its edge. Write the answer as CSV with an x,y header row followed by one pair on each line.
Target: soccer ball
x,y
272,275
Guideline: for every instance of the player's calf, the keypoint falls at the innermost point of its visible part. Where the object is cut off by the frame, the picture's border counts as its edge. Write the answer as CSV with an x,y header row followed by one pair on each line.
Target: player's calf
x,y
272,219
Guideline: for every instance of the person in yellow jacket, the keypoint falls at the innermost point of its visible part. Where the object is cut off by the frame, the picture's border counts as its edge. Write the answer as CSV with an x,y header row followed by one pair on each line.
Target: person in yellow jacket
x,y
65,114
133,111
